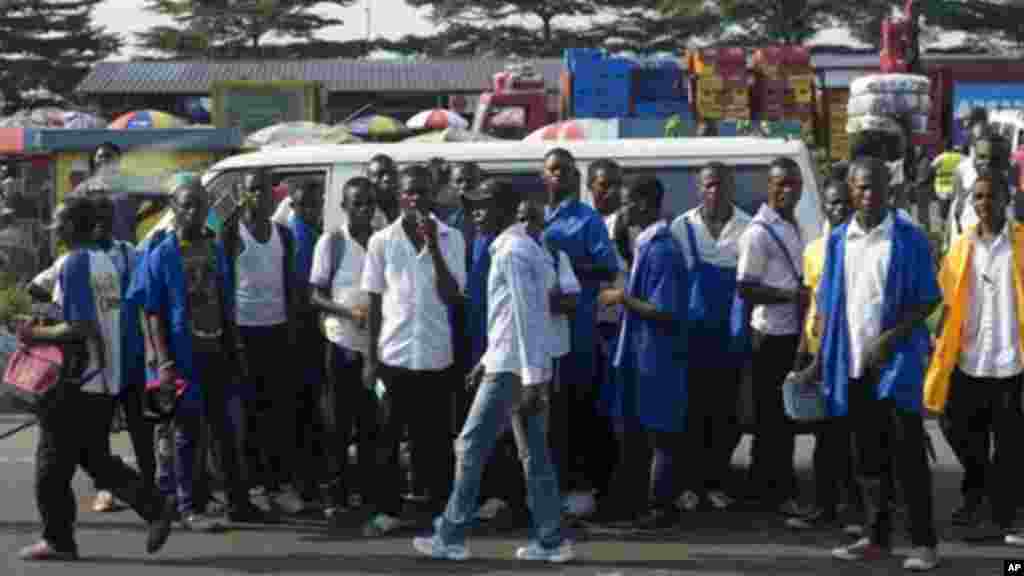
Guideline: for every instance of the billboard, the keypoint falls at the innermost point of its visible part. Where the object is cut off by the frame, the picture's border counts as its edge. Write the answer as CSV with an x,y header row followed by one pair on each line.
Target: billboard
x,y
252,105
989,95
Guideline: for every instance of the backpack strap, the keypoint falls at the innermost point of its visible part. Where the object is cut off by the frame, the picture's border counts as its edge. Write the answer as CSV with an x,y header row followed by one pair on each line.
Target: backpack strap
x,y
336,246
782,246
693,242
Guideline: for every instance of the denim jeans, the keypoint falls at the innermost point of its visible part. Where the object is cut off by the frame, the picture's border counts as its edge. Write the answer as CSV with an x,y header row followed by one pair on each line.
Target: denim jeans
x,y
493,408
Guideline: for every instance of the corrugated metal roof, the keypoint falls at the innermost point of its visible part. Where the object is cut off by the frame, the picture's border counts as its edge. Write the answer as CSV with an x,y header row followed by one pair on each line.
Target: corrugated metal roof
x,y
337,75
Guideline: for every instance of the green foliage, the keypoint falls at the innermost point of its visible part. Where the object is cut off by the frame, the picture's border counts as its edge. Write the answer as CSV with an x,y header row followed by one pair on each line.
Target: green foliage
x,y
758,22
13,299
48,45
232,28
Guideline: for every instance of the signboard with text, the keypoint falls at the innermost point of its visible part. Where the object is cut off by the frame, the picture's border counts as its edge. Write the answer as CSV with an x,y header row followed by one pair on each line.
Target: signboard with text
x,y
991,96
251,105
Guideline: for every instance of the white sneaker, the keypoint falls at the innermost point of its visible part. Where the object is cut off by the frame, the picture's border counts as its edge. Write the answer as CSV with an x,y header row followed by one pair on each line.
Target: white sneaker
x,y
1016,539
534,552
434,548
720,500
381,524
921,560
290,502
580,504
688,501
491,509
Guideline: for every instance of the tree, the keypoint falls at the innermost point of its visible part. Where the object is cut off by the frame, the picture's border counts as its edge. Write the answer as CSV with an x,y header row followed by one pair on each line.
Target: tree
x,y
755,22
232,28
990,21
47,46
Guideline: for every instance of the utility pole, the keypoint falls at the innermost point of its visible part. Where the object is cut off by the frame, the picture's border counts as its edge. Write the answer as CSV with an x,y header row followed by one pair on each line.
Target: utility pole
x,y
369,19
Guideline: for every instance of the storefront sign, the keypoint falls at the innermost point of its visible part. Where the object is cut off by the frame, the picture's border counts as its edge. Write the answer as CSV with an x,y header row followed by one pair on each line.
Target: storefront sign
x,y
990,96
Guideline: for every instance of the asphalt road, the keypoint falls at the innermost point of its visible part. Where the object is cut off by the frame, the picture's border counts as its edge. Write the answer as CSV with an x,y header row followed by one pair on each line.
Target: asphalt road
x,y
708,544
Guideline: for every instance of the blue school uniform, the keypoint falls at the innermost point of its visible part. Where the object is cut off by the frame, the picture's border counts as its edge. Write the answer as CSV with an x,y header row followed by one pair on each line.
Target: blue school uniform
x,y
158,286
910,282
476,292
133,348
650,358
578,230
304,237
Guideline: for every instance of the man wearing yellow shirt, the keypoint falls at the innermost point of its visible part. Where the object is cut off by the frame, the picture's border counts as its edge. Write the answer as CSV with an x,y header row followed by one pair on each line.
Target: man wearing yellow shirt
x,y
833,461
975,373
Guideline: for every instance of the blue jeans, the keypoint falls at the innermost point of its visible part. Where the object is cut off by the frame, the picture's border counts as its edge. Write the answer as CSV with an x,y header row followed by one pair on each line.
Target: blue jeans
x,y
494,407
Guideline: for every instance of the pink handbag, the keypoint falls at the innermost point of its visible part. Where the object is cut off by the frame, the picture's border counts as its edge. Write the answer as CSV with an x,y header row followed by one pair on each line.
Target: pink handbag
x,y
32,372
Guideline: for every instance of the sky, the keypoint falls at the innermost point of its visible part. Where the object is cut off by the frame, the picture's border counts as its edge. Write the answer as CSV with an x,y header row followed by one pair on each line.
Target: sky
x,y
389,19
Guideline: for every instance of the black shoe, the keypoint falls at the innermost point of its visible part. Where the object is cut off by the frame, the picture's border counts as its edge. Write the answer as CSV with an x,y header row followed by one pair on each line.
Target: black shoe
x,y
658,519
250,514
160,527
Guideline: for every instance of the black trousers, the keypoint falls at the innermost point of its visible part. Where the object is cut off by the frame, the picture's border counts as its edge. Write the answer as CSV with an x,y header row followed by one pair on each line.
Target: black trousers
x,y
224,427
771,454
833,463
73,432
140,431
712,423
578,434
420,401
275,387
348,406
888,443
983,412
310,433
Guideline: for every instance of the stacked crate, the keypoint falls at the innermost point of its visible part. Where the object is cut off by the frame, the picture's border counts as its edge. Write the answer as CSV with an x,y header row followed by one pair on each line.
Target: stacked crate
x,y
721,83
785,83
839,140
659,90
600,85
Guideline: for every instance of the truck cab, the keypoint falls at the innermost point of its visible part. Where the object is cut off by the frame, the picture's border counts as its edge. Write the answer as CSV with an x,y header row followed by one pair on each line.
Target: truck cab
x,y
516,106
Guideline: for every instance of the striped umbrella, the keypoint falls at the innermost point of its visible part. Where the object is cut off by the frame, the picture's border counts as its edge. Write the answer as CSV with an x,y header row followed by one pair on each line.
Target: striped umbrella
x,y
437,119
147,119
377,126
588,129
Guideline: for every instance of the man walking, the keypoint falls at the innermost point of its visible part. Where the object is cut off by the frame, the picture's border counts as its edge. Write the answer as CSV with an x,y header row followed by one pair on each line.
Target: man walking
x,y
513,377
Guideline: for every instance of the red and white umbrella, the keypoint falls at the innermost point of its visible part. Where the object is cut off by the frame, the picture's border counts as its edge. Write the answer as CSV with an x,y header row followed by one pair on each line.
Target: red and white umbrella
x,y
587,129
437,119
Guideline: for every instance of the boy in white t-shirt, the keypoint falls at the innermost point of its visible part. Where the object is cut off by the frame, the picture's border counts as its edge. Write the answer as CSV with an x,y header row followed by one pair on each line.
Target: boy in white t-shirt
x,y
335,278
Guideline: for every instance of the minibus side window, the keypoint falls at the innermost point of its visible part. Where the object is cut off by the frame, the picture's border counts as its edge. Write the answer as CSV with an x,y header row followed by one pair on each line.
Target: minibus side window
x,y
681,186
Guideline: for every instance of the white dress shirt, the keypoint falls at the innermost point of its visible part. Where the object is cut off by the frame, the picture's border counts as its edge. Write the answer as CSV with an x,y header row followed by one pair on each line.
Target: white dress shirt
x,y
344,288
611,314
723,252
991,346
415,333
762,260
866,268
518,311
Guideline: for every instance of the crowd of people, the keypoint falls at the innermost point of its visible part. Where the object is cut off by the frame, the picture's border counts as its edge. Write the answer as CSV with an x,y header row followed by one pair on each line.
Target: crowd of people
x,y
522,334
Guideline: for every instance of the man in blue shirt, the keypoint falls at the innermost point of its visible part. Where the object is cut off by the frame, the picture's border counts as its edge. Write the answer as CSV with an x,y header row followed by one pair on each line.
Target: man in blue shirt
x,y
74,424
513,377
648,399
578,230
186,290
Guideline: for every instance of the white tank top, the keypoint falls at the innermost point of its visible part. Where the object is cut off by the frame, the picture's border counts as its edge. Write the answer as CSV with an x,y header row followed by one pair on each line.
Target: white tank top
x,y
260,293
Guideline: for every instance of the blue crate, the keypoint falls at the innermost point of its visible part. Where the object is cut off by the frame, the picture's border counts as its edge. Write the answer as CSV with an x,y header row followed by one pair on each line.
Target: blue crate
x,y
574,58
662,108
653,84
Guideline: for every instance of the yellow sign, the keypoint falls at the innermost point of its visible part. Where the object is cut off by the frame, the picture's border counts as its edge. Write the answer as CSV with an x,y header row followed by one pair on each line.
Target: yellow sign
x,y
802,87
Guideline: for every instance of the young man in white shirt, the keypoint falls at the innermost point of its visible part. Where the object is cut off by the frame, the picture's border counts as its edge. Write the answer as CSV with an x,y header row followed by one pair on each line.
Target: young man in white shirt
x,y
337,271
414,271
876,290
513,378
769,278
975,376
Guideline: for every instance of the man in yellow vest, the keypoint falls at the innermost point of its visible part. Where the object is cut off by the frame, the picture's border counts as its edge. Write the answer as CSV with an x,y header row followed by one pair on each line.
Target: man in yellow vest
x,y
975,372
944,170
